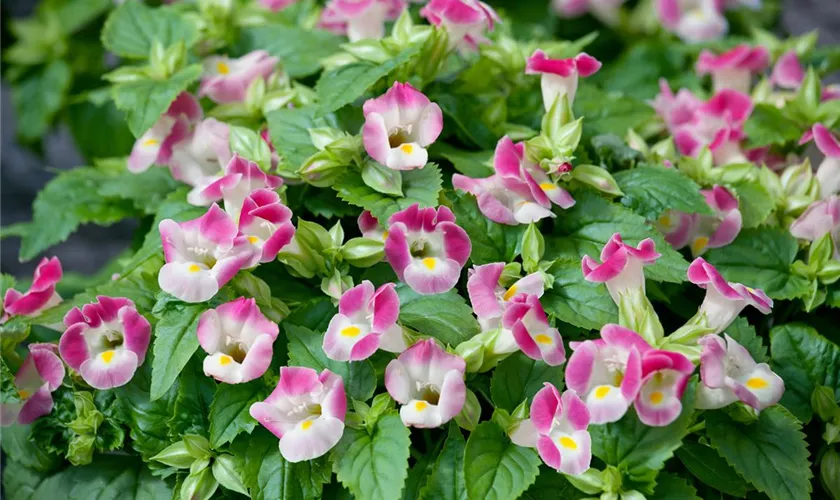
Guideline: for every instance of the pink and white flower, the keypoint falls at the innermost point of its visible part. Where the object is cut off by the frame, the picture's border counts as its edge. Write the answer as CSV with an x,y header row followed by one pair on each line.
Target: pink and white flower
x,y
40,375
366,321
227,79
734,68
561,423
370,228
510,162
560,76
202,255
820,218
306,411
607,372
828,173
605,10
532,332
675,109
466,21
40,296
693,20
664,377
702,232
724,300
718,124
199,159
241,177
428,383
156,144
490,300
729,374
360,19
399,126
105,341
426,248
787,72
238,339
622,266
267,224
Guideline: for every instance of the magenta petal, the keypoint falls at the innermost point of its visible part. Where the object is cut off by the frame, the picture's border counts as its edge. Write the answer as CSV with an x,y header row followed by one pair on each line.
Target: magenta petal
x,y
481,288
548,452
386,307
575,410
38,405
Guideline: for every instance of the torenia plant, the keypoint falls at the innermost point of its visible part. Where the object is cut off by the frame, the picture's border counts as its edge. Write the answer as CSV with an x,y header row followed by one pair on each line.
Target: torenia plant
x,y
421,250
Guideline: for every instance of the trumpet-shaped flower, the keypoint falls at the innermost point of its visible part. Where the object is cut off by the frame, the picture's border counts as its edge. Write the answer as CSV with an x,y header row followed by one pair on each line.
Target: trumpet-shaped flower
x,y
360,19
40,296
820,218
675,109
560,76
510,162
199,159
399,126
607,372
40,375
465,21
693,20
267,224
787,72
664,377
240,179
227,79
426,248
533,334
729,374
700,231
428,383
734,68
828,173
201,255
238,339
718,124
105,341
622,266
156,144
306,411
561,423
490,300
724,300
366,321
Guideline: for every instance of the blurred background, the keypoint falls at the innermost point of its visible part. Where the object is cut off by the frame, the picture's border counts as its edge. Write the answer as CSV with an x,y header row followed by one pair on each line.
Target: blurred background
x,y
25,170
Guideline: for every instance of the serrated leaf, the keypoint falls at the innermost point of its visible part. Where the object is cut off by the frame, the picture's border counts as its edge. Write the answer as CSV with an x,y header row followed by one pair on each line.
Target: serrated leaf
x,y
650,191
191,408
446,481
519,377
305,349
491,242
494,467
175,341
761,258
446,316
145,418
770,453
420,186
769,125
609,112
374,466
671,487
289,128
299,49
804,359
133,28
574,300
9,392
744,333
229,413
586,227
754,203
709,467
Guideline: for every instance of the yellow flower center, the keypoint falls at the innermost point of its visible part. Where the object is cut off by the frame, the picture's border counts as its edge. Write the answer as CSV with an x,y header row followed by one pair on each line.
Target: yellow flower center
x,y
665,220
602,391
430,263
151,142
225,360
510,293
194,268
385,235
306,425
24,394
222,68
350,331
547,186
656,397
699,244
407,148
567,442
543,339
420,405
253,240
107,356
757,383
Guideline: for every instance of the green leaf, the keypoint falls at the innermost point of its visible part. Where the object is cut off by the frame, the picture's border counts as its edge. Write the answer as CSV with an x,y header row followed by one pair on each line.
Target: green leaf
x,y
75,14
804,359
491,242
610,113
38,97
761,258
495,468
146,418
650,191
110,138
465,112
519,377
744,333
754,202
637,449
305,350
671,487
574,300
586,227
229,414
420,186
770,453
249,145
446,316
175,341
300,50
552,484
19,448
9,392
709,467
343,85
447,479
144,101
614,153
374,466
289,128
147,191
133,28
192,402
476,164
769,125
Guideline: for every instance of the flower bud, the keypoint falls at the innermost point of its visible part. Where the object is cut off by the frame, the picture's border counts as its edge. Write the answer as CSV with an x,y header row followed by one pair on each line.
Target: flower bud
x,y
830,473
321,170
824,403
226,473
336,285
199,485
363,252
596,177
533,248
382,179
322,137
591,482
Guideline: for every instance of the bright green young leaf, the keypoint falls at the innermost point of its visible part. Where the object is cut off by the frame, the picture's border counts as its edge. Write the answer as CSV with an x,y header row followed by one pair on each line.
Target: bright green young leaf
x,y
708,466
804,359
8,390
374,466
491,242
671,487
175,341
495,468
650,191
447,479
754,202
761,258
519,377
420,186
770,453
289,128
446,316
574,300
300,50
305,349
744,333
769,125
249,145
38,97
133,28
229,413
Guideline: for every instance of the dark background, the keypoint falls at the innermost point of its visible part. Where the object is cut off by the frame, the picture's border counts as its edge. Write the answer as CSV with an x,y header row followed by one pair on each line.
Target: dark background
x,y
23,173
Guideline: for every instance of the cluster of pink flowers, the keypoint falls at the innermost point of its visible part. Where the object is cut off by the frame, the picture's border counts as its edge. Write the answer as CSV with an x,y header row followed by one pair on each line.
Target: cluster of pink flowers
x,y
823,216
700,232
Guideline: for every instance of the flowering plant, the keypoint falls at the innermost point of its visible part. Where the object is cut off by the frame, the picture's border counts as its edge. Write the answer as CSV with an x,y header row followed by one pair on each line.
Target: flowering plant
x,y
443,249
